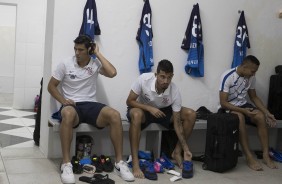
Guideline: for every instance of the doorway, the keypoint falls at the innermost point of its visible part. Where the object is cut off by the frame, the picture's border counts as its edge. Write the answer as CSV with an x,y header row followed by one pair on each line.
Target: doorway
x,y
7,53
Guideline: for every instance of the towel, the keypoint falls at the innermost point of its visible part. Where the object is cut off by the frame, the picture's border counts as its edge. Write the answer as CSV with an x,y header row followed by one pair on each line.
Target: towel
x,y
193,42
144,39
241,41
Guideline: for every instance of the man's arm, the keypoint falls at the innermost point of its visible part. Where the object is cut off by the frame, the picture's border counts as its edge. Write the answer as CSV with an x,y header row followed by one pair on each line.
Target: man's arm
x,y
258,103
53,90
107,68
132,102
223,98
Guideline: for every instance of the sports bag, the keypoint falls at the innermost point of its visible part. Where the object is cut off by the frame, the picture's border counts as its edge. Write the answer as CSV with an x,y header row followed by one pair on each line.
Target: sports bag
x,y
222,137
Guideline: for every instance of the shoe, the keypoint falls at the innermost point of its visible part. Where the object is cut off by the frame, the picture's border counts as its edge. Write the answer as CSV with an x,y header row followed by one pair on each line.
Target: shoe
x,y
165,162
148,169
129,161
187,171
123,171
97,163
145,155
158,167
106,163
67,173
76,166
275,155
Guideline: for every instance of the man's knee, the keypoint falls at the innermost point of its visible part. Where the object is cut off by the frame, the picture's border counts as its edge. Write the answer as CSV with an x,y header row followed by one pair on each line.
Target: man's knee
x,y
68,114
188,114
136,115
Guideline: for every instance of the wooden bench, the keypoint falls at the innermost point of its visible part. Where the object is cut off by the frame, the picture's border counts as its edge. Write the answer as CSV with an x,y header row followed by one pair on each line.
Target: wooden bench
x,y
153,133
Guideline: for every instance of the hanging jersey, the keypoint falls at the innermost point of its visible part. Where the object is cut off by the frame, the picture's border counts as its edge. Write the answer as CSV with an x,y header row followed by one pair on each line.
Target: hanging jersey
x,y
241,42
144,38
193,42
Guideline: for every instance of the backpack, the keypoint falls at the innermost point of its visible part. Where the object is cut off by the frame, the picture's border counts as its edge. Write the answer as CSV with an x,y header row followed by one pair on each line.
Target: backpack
x,y
222,138
275,93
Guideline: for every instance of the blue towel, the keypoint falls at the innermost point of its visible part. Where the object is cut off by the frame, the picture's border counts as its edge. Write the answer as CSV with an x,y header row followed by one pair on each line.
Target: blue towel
x,y
193,42
241,41
144,38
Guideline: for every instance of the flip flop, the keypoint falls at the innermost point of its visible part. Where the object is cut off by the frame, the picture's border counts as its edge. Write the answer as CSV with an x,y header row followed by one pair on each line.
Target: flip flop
x,y
275,155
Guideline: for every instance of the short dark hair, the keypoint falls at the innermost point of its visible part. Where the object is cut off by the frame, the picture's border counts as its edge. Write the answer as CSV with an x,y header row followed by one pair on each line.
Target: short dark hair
x,y
84,39
251,59
165,65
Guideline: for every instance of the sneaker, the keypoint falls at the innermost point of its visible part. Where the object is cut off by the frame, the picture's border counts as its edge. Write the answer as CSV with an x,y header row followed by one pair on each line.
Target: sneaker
x,y
123,171
97,163
148,169
67,173
187,171
165,162
76,166
106,163
158,167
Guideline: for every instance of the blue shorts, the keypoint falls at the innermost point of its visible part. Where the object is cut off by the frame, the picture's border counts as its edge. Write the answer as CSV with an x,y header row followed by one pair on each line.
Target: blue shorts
x,y
149,118
88,112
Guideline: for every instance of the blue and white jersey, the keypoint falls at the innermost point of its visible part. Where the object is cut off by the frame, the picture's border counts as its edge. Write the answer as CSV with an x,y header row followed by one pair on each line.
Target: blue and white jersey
x,y
90,25
193,42
241,42
237,87
144,38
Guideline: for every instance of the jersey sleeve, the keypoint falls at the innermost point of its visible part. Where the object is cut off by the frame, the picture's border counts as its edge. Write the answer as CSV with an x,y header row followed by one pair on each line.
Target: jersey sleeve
x,y
59,72
137,86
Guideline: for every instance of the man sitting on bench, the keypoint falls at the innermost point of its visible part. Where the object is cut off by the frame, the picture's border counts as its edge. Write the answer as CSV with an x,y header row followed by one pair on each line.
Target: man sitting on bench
x,y
235,85
78,76
153,98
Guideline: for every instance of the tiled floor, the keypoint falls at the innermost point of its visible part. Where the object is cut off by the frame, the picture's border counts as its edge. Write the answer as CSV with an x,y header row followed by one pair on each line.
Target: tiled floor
x,y
22,162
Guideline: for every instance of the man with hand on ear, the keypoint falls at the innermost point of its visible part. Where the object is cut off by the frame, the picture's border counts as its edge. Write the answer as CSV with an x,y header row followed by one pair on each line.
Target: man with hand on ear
x,y
78,78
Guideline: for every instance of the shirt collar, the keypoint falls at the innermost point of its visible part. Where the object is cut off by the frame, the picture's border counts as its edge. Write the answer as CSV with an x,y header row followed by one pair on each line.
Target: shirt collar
x,y
153,87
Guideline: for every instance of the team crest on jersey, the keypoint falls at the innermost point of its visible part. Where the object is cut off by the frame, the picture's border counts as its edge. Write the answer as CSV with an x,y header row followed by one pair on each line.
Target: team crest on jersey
x,y
72,76
89,70
165,100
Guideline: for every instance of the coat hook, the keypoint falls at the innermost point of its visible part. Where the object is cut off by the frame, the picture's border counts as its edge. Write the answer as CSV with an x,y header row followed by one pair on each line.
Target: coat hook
x,y
240,11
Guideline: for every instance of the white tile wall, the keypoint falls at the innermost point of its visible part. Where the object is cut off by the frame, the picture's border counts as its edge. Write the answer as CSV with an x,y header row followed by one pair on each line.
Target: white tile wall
x,y
29,58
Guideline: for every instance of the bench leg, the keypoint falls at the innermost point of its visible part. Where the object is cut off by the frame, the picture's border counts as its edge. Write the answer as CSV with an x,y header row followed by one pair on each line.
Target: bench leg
x,y
153,142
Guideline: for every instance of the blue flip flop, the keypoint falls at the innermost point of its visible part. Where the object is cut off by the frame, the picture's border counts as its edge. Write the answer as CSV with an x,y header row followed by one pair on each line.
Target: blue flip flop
x,y
275,155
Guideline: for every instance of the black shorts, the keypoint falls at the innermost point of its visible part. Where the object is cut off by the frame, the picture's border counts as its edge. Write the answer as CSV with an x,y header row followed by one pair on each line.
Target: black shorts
x,y
88,112
247,119
149,118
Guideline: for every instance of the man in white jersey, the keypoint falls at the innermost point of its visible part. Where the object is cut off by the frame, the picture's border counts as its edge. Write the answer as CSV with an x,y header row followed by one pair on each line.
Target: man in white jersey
x,y
153,98
236,84
78,78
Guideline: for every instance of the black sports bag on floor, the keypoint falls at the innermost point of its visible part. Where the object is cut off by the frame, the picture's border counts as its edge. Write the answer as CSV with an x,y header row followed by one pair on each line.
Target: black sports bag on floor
x,y
222,137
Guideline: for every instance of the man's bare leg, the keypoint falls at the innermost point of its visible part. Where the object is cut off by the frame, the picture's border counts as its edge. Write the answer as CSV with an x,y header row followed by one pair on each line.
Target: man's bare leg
x,y
135,134
188,116
69,120
244,141
259,120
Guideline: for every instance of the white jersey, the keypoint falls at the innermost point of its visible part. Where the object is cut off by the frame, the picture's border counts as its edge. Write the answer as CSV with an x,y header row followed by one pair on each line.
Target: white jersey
x,y
237,87
78,84
145,88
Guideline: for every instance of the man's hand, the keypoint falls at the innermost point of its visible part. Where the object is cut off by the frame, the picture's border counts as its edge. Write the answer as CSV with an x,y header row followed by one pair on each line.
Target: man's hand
x,y
270,119
156,112
250,112
68,102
